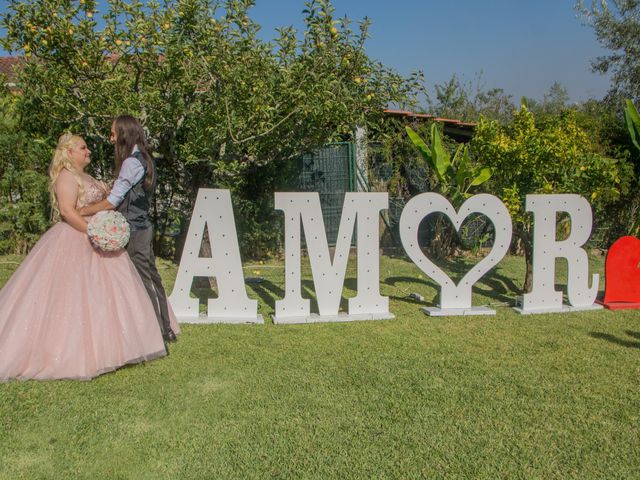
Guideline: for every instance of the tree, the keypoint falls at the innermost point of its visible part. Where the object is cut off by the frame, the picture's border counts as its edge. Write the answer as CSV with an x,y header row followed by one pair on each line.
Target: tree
x,y
553,156
452,100
554,102
222,107
556,99
24,197
617,27
467,101
494,104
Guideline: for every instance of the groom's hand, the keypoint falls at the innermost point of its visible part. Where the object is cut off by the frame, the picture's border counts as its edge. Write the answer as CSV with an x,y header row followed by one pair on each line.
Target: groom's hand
x,y
94,208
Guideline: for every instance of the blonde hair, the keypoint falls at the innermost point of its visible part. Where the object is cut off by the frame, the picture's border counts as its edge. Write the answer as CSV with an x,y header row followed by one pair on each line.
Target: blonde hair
x,y
62,161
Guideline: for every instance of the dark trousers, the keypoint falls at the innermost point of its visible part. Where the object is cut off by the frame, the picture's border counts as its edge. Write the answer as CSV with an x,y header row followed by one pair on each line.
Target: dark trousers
x,y
140,249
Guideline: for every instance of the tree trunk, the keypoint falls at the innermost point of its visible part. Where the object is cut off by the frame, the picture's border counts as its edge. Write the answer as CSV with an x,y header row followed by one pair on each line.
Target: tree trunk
x,y
527,243
444,239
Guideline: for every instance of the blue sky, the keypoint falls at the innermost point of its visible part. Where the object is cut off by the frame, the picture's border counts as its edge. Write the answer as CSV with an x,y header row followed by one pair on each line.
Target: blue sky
x,y
522,46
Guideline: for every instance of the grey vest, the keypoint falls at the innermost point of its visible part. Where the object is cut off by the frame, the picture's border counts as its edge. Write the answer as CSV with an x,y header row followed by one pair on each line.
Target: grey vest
x,y
137,202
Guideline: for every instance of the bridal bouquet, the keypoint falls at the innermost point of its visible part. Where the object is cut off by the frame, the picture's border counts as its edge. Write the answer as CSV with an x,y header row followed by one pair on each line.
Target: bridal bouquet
x,y
108,230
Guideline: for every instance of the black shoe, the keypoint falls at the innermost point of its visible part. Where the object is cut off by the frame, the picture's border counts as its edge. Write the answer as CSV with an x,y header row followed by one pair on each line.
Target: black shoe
x,y
170,336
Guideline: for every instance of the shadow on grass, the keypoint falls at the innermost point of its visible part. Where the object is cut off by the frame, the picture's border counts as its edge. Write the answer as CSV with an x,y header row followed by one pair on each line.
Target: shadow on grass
x,y
411,301
498,284
267,291
501,288
633,334
494,285
498,287
426,282
618,341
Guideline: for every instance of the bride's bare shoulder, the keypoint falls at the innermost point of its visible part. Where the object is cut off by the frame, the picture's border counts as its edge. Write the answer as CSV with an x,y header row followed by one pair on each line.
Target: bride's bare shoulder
x,y
66,180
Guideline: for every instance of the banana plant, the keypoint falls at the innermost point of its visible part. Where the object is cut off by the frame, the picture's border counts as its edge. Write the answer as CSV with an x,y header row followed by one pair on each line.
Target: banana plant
x,y
456,175
632,121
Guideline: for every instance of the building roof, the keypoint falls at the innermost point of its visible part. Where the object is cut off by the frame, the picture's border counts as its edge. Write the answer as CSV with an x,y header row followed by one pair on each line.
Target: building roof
x,y
456,129
426,116
7,66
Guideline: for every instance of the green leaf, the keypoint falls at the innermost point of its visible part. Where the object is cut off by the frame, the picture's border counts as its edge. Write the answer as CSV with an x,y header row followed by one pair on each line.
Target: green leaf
x,y
483,176
464,172
426,152
422,147
441,158
458,197
456,156
632,121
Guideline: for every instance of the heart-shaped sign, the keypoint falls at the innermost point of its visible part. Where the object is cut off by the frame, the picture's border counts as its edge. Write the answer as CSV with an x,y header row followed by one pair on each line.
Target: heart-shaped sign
x,y
622,289
454,296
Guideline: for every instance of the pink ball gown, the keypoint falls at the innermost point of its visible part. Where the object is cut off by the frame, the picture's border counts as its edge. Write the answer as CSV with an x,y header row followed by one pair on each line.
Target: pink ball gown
x,y
71,311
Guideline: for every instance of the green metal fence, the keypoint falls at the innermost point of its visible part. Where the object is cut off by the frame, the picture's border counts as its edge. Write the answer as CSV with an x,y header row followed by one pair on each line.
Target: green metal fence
x,y
330,171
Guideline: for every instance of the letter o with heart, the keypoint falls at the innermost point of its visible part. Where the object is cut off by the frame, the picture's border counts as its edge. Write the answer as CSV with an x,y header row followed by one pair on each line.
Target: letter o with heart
x,y
454,296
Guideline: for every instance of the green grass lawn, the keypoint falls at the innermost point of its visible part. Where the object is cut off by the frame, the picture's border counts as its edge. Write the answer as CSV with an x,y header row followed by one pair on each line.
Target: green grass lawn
x,y
504,396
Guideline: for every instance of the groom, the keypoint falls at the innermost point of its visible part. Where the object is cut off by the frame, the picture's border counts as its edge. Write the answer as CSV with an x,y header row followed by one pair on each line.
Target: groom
x,y
132,195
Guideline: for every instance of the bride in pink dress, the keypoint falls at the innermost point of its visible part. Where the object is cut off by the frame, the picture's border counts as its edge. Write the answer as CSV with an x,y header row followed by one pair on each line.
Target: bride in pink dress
x,y
71,311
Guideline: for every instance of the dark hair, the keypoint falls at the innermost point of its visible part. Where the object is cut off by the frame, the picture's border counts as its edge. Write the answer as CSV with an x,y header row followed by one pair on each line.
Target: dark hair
x,y
129,133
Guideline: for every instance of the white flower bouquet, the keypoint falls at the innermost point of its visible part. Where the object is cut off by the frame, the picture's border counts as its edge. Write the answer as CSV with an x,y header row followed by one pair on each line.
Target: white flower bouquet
x,y
108,230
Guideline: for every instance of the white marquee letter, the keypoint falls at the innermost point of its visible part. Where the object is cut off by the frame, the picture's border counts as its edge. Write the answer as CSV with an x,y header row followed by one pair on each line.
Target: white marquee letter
x,y
328,276
213,209
544,297
455,299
